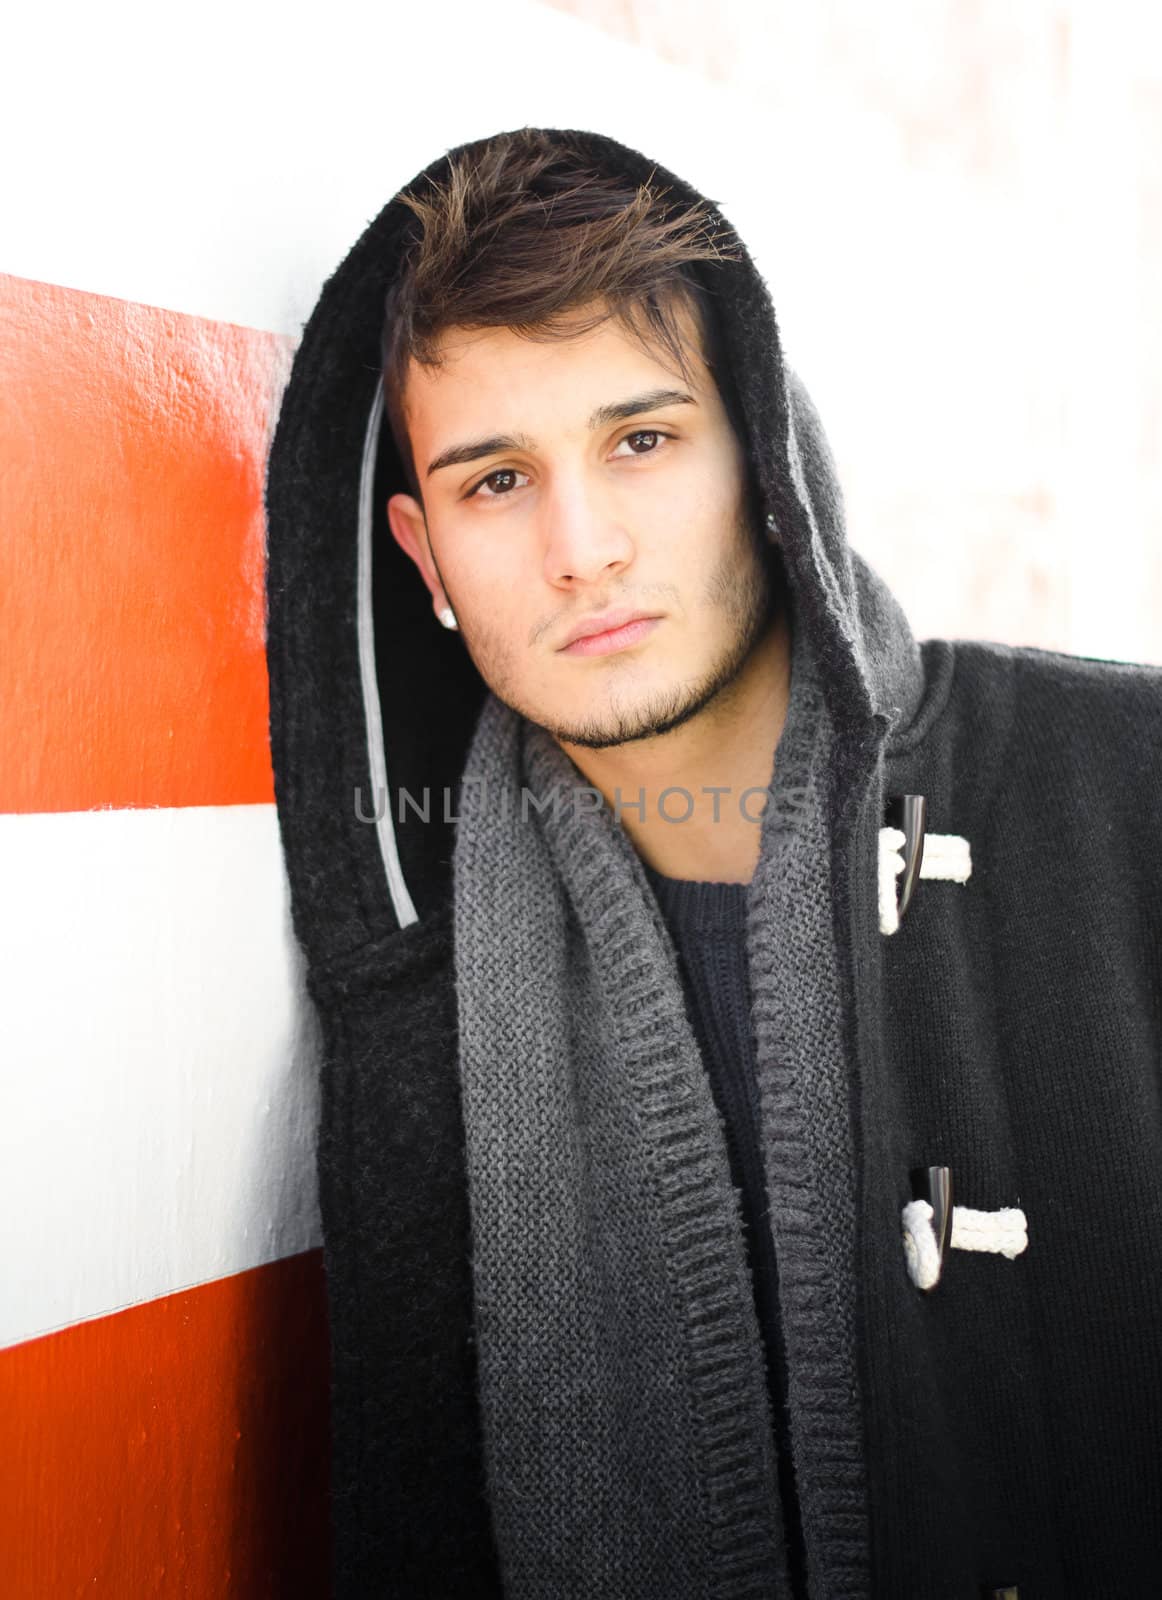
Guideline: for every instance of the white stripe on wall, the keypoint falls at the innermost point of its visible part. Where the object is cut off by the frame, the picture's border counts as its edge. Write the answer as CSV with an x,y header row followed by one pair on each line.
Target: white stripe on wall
x,y
158,1100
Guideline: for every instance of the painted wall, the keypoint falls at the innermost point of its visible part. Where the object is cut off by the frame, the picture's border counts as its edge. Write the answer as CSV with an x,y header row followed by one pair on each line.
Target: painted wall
x,y
185,183
163,1385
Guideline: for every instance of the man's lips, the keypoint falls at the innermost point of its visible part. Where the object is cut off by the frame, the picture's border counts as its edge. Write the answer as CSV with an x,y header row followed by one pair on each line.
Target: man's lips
x,y
609,636
603,627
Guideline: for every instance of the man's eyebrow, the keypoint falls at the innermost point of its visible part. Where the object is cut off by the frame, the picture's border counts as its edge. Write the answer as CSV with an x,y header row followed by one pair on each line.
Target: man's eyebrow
x,y
616,411
653,400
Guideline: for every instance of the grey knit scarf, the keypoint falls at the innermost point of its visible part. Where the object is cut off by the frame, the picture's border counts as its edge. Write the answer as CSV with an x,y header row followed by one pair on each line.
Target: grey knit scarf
x,y
627,1432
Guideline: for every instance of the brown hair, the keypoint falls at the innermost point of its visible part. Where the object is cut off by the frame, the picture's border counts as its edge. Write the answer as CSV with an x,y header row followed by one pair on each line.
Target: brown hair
x,y
525,231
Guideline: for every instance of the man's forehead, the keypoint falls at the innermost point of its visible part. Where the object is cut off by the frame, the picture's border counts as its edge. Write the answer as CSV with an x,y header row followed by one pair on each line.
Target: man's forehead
x,y
474,359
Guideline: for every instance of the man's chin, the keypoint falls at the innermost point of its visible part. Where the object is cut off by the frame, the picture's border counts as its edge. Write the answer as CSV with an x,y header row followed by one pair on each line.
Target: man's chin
x,y
648,718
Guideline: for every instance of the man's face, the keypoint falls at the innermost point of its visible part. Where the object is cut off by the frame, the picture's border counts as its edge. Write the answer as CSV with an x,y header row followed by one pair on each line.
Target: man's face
x,y
573,478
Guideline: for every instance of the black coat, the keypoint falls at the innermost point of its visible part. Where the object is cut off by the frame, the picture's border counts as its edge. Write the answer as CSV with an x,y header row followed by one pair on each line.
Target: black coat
x,y
1011,1029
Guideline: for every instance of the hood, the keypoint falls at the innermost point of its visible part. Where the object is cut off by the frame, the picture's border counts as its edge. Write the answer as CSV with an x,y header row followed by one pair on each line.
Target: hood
x,y
368,698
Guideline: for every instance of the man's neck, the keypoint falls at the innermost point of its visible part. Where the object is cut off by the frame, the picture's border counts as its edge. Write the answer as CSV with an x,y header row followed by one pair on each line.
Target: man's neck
x,y
728,747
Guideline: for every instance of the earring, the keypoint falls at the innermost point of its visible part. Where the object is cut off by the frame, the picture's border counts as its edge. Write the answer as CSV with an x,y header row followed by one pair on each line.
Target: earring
x,y
447,616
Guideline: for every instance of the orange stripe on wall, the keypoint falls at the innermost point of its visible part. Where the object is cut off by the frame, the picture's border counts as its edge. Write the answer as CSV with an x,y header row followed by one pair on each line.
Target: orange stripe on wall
x,y
132,448
177,1448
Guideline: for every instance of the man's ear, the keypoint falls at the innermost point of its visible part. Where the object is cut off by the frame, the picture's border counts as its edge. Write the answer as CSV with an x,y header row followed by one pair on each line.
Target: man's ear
x,y
405,517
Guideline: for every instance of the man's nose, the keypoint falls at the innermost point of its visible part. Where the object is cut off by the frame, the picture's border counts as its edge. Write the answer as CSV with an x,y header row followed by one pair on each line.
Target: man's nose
x,y
584,537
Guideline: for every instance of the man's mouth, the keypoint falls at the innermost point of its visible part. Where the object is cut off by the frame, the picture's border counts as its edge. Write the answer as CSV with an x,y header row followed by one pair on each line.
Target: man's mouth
x,y
619,636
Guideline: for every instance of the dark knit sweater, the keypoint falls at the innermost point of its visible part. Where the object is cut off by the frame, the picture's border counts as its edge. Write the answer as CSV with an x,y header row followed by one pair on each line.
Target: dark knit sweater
x,y
707,922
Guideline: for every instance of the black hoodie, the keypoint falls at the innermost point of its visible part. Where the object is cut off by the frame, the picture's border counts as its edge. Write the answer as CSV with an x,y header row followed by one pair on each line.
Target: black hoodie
x,y
1003,1428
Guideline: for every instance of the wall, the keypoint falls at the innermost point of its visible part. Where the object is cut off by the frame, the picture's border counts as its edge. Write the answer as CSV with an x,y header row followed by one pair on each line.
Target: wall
x,y
186,181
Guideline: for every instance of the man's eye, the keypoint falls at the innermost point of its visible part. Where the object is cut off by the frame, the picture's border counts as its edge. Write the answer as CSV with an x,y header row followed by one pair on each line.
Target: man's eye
x,y
652,434
496,493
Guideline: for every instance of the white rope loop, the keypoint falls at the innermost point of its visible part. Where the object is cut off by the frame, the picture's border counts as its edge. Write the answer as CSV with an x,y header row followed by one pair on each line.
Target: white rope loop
x,y
920,1248
946,855
1001,1233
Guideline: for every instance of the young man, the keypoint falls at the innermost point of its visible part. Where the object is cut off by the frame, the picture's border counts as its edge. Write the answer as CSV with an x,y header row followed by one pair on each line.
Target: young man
x,y
741,1022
